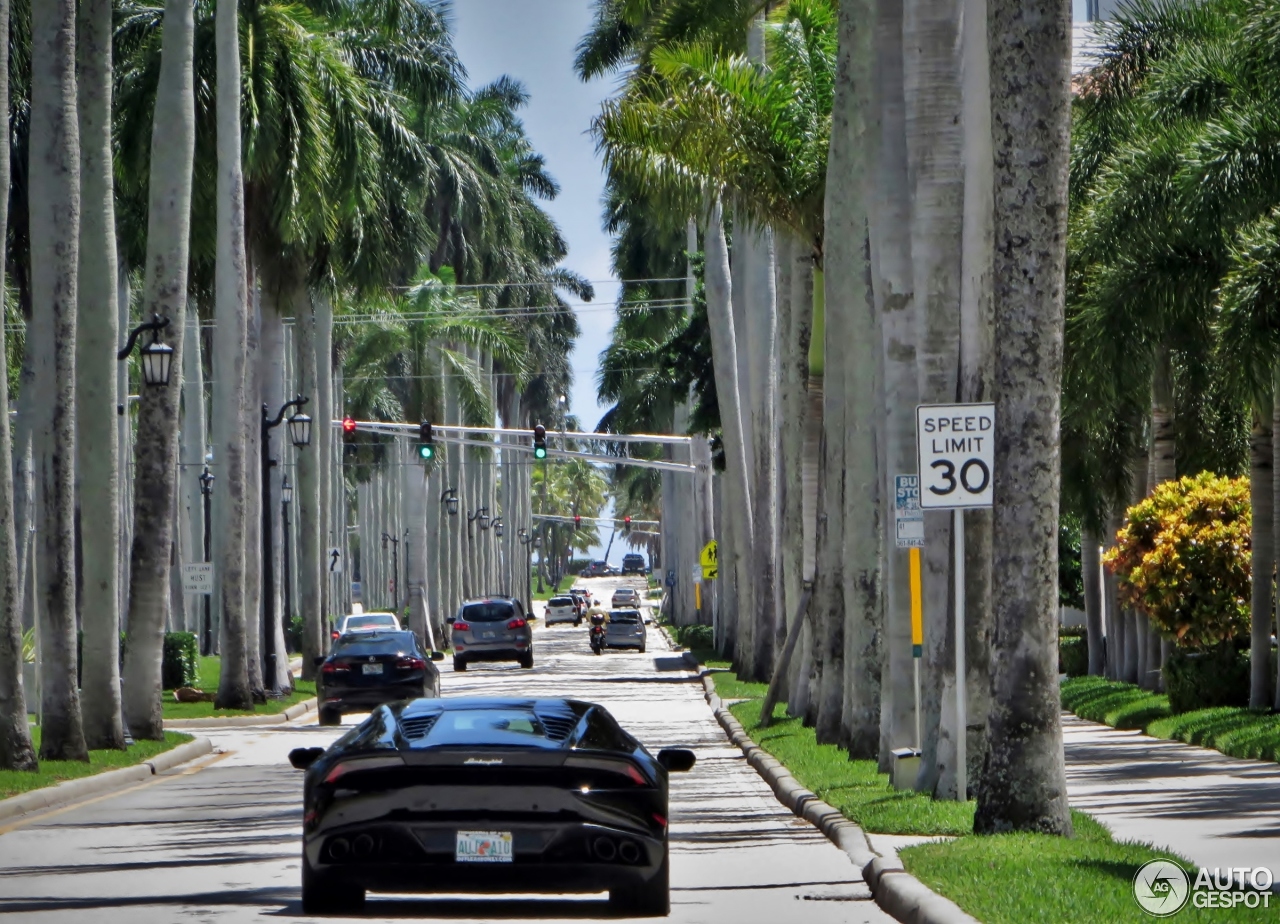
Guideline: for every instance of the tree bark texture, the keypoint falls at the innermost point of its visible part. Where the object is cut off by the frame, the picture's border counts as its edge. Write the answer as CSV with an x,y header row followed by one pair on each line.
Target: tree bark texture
x,y
310,555
251,428
54,196
1024,787
1090,556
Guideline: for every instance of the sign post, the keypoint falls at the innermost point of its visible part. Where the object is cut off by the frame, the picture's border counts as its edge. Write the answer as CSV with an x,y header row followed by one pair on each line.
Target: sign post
x,y
955,449
908,519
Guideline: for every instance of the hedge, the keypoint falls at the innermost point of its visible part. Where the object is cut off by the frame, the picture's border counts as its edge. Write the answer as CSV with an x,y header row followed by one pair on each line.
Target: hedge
x,y
180,664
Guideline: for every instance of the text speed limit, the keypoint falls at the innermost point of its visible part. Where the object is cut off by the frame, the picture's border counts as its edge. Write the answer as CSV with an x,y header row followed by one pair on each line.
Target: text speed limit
x,y
955,446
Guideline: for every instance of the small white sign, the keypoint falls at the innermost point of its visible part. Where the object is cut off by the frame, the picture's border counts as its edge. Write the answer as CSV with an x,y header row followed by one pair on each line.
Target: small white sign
x,y
335,560
197,577
908,516
955,446
696,574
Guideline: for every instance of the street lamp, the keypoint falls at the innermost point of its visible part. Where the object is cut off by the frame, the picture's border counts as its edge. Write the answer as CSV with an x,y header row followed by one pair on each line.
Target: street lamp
x,y
206,489
450,500
286,498
497,527
300,436
482,515
157,357
395,567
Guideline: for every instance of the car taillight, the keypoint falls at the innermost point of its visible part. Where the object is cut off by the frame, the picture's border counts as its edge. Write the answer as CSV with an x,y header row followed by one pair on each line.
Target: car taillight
x,y
374,763
516,623
660,819
461,627
335,667
636,777
411,664
334,636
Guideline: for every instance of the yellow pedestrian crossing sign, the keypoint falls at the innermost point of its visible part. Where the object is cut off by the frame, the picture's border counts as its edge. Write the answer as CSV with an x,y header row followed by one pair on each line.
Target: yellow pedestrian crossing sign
x,y
710,561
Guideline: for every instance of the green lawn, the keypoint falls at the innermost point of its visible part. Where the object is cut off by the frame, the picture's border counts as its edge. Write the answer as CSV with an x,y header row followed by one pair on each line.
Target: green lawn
x,y
13,782
1005,879
209,670
1233,731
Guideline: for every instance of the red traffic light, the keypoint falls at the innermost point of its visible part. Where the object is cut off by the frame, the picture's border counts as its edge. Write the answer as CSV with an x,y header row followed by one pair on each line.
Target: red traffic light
x,y
627,522
577,521
348,425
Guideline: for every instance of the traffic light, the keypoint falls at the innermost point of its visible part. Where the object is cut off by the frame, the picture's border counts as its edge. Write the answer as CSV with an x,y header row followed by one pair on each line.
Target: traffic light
x,y
539,442
426,442
577,521
626,524
349,429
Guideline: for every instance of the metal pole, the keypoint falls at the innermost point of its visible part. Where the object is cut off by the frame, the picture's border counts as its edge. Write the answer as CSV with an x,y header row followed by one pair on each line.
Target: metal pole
x,y
284,549
962,783
268,565
208,598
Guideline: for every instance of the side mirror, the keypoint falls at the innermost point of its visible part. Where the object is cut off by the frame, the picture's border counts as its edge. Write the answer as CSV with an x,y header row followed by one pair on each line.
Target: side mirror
x,y
302,758
318,660
437,656
677,760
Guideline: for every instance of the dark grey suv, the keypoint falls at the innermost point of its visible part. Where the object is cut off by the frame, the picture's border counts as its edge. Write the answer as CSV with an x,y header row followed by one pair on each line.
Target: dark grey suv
x,y
491,629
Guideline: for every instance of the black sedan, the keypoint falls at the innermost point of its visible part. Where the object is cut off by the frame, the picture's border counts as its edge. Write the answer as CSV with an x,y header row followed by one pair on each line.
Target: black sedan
x,y
368,669
487,795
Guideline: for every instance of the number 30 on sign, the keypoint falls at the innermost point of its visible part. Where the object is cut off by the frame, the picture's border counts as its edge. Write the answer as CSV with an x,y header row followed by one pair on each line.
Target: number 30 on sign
x,y
955,446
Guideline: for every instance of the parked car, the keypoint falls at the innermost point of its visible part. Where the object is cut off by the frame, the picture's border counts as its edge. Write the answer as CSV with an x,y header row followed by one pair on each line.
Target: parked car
x,y
625,597
491,629
365,622
367,669
596,569
633,563
487,795
625,629
562,609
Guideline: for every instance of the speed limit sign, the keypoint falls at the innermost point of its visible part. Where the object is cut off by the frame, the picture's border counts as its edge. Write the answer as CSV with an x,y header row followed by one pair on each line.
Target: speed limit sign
x,y
955,447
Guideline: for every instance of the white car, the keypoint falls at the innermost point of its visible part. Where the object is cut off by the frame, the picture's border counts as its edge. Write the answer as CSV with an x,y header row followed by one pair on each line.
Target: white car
x,y
366,622
561,609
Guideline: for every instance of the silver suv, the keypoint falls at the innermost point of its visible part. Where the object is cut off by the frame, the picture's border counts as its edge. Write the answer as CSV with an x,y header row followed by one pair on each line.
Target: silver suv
x,y
491,629
625,629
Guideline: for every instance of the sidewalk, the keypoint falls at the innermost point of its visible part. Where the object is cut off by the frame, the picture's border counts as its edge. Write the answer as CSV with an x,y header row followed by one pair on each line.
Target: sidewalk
x,y
1216,811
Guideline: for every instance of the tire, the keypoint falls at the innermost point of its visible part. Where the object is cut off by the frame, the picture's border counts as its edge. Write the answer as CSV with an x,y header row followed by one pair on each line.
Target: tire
x,y
642,649
527,661
330,717
322,897
459,665
651,899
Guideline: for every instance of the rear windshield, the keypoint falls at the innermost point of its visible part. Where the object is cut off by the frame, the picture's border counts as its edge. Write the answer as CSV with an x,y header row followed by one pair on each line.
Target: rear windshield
x,y
633,558
373,620
561,601
374,643
492,611
624,593
624,616
485,726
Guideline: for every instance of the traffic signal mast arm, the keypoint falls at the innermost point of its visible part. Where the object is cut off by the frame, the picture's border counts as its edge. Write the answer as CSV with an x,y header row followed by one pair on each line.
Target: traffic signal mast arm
x,y
554,518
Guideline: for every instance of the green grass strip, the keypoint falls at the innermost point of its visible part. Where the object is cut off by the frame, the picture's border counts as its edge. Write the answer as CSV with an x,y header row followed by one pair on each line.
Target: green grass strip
x,y
13,782
209,671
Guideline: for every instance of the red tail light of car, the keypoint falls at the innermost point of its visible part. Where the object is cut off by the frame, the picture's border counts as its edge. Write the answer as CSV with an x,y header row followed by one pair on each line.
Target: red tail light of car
x,y
369,763
334,636
411,664
335,667
516,623
461,626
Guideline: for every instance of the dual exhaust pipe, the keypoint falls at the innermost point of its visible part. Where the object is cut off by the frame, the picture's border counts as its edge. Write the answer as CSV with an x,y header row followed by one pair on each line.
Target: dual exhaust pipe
x,y
358,848
608,850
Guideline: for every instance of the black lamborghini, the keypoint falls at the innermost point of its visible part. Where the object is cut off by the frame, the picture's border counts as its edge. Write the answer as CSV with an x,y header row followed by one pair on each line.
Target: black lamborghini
x,y
487,795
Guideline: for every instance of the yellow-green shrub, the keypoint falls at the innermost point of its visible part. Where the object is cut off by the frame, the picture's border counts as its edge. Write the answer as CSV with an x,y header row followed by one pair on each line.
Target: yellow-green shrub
x,y
1183,559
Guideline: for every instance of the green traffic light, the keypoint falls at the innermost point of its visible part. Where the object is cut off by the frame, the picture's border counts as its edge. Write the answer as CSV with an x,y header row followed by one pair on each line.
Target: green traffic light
x,y
540,452
427,452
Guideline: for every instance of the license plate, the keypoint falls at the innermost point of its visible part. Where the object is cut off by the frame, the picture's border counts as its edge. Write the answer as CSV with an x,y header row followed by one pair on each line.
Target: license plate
x,y
373,668
483,847
488,634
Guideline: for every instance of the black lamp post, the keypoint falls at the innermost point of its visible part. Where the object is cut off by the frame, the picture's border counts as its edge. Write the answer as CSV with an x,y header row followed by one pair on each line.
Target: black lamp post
x,y
527,541
395,567
157,357
450,500
300,435
286,498
497,527
206,489
481,516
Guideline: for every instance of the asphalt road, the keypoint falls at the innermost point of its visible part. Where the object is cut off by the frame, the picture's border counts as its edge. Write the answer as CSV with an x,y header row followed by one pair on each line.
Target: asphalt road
x,y
219,841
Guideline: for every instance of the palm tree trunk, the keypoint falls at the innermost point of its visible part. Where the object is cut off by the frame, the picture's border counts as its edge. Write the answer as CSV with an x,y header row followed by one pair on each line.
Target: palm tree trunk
x,y
307,493
322,440
165,294
195,442
1262,498
1023,787
54,196
1275,520
16,751
96,343
1090,554
1163,468
230,335
801,508
251,428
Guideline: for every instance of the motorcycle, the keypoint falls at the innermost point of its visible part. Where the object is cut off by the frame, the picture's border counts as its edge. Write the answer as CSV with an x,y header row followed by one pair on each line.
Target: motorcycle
x,y
597,633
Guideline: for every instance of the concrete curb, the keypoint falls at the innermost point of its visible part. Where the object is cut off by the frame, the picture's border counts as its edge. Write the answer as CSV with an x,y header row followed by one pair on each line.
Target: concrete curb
x,y
75,790
896,891
240,721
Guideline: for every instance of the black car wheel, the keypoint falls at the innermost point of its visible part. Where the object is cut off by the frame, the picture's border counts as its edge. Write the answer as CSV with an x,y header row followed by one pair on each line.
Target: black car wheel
x,y
330,717
527,661
459,665
326,897
577,622
649,899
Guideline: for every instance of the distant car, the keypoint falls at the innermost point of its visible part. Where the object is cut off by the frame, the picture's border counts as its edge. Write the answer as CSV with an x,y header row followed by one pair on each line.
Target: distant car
x,y
562,609
634,563
625,629
596,569
365,622
625,597
370,668
581,597
473,794
491,629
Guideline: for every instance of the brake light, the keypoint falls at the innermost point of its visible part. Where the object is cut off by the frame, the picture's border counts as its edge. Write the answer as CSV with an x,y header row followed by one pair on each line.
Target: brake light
x,y
334,636
374,763
660,819
635,776
516,623
335,667
461,627
411,664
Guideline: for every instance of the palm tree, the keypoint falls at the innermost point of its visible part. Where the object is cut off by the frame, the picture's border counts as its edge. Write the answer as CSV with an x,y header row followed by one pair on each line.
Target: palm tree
x,y
1023,787
16,751
165,294
54,198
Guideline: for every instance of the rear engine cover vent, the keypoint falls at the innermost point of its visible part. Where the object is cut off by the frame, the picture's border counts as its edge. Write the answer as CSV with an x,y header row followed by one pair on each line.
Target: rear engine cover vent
x,y
559,727
417,726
